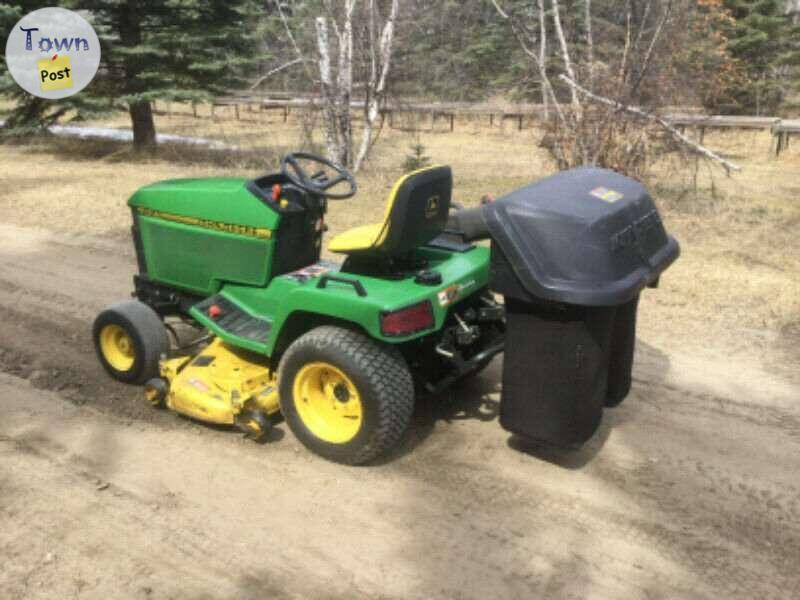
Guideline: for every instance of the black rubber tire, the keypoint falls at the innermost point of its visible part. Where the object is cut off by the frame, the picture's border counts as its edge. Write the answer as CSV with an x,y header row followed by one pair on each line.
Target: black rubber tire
x,y
156,390
150,339
381,376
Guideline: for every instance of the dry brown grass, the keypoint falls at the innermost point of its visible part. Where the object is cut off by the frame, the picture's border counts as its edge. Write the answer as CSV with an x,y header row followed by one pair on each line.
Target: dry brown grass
x,y
739,275
97,177
737,282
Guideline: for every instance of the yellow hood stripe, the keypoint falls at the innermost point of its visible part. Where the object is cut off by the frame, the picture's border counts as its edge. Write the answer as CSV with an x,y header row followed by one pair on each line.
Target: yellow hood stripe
x,y
246,230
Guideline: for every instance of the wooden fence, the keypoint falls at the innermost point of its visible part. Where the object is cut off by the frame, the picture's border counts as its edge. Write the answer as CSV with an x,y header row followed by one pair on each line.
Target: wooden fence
x,y
284,103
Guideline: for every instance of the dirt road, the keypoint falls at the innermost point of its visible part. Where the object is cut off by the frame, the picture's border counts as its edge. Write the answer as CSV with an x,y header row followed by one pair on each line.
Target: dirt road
x,y
689,490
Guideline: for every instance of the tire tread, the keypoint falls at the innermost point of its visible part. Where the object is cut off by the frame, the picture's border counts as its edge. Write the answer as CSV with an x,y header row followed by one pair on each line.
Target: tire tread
x,y
147,325
388,376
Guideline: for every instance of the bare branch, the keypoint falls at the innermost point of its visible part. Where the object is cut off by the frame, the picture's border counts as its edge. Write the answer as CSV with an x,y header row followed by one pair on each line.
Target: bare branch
x,y
272,72
503,13
387,37
345,69
623,65
291,37
577,109
326,81
562,40
542,63
642,24
702,150
519,32
376,87
587,5
648,55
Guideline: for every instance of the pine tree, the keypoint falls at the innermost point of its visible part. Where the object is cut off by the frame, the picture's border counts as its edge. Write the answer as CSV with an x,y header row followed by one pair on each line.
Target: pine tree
x,y
762,37
181,50
448,49
416,159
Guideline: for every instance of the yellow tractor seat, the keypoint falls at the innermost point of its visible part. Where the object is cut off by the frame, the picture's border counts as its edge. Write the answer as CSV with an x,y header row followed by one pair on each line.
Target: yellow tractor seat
x,y
416,212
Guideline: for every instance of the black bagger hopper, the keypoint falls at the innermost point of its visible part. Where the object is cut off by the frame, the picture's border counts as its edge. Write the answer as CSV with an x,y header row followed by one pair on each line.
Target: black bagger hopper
x,y
570,254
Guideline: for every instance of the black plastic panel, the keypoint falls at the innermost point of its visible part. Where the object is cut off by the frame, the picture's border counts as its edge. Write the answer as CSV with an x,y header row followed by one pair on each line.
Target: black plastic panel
x,y
236,321
562,365
587,236
555,373
451,243
623,343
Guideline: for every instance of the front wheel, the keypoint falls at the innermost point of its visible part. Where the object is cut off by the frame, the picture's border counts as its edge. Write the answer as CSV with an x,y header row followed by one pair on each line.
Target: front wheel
x,y
345,396
130,338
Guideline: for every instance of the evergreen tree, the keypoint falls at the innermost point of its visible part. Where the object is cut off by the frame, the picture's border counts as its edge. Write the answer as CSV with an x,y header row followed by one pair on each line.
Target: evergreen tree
x,y
762,37
417,159
183,50
453,50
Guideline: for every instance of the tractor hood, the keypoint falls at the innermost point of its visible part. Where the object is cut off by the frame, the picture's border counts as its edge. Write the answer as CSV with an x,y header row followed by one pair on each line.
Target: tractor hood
x,y
216,199
587,236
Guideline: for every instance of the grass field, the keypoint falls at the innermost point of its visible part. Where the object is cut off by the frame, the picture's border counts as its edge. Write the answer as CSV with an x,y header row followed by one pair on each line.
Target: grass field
x,y
737,283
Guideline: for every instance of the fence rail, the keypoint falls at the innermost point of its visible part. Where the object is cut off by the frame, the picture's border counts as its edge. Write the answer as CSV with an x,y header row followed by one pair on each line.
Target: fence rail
x,y
781,129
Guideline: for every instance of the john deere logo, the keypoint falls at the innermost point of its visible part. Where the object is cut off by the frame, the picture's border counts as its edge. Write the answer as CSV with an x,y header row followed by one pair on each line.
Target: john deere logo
x,y
52,53
432,207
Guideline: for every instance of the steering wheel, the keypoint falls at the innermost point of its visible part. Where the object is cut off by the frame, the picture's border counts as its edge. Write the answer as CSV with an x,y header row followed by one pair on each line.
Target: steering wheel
x,y
319,183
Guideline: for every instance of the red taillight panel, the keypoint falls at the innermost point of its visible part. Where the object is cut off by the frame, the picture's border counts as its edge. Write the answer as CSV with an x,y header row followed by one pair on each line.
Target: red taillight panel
x,y
408,320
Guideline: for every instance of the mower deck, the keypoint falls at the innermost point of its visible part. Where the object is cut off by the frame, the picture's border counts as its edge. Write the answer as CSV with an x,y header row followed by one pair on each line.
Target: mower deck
x,y
222,385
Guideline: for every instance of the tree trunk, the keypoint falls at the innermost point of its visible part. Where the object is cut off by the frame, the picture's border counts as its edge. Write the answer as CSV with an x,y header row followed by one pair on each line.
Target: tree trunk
x,y
336,93
543,57
576,105
380,61
587,15
130,35
345,88
144,128
328,93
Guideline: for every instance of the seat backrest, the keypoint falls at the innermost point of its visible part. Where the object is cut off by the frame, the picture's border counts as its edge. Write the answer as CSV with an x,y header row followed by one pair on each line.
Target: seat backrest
x,y
416,211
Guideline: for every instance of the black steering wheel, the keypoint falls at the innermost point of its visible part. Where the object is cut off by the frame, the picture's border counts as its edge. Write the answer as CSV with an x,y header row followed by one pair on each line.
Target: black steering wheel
x,y
319,183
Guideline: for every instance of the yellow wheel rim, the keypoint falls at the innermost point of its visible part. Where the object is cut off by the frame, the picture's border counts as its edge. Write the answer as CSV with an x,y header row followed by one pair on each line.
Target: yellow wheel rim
x,y
117,347
327,402
254,427
153,395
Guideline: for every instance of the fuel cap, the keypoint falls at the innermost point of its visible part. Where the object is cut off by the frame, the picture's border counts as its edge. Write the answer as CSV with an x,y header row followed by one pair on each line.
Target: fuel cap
x,y
428,278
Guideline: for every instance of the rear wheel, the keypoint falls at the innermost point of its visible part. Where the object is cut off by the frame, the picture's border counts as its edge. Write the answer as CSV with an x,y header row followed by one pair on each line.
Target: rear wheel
x,y
130,338
345,396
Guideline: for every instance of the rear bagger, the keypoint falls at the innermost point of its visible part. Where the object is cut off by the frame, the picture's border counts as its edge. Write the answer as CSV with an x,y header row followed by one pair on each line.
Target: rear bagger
x,y
571,254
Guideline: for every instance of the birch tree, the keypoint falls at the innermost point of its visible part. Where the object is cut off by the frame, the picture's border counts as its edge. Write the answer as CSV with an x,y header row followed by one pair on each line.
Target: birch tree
x,y
380,59
353,47
336,89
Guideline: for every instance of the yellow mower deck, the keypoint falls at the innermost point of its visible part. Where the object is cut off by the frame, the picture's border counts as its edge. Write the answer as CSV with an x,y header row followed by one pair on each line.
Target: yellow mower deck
x,y
219,385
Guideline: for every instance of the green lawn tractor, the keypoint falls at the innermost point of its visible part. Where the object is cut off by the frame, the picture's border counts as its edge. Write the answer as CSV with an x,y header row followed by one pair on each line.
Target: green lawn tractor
x,y
340,350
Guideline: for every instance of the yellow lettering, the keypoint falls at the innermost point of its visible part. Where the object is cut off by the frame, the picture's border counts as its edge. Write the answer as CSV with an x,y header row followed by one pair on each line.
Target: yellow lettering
x,y
246,230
